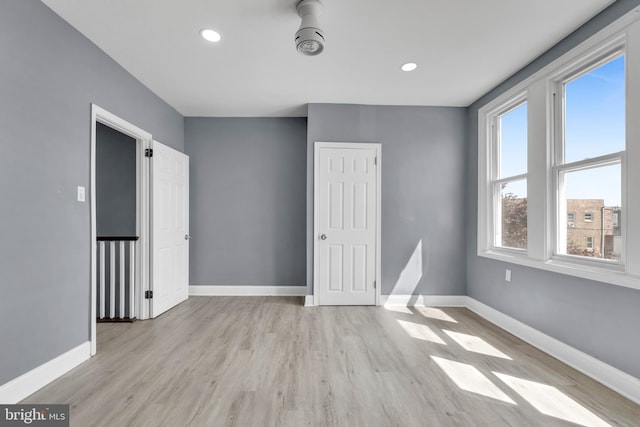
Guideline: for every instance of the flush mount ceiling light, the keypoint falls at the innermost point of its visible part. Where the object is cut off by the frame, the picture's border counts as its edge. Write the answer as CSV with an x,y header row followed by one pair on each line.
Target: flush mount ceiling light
x,y
409,66
210,35
309,37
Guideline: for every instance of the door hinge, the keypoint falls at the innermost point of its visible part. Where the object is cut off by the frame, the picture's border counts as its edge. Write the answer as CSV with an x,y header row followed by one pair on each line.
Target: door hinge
x,y
374,284
148,294
148,152
375,161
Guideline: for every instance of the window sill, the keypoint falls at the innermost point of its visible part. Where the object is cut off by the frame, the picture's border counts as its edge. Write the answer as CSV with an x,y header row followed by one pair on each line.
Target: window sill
x,y
611,274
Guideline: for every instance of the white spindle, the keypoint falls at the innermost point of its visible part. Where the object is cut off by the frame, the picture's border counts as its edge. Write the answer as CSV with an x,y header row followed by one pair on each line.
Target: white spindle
x,y
132,270
103,303
112,281
122,268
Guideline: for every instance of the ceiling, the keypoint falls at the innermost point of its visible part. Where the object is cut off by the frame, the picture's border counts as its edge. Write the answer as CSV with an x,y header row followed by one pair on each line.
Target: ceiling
x,y
463,48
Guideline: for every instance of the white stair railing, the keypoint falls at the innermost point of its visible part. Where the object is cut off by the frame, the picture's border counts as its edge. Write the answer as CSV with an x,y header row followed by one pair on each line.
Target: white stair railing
x,y
116,278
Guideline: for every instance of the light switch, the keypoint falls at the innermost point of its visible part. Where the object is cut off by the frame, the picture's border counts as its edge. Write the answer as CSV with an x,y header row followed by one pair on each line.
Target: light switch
x,y
81,194
507,275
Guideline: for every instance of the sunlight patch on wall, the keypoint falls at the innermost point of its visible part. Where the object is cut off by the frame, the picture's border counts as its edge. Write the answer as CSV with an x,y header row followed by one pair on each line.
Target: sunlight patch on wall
x,y
411,274
469,378
551,401
475,344
421,332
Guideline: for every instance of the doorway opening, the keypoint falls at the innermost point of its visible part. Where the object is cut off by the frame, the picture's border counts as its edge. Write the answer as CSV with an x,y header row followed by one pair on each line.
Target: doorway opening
x,y
159,248
119,219
116,224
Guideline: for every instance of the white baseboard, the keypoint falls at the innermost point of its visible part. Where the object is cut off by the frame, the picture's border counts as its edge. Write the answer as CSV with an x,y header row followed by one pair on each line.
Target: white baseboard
x,y
219,291
424,300
413,300
19,388
605,374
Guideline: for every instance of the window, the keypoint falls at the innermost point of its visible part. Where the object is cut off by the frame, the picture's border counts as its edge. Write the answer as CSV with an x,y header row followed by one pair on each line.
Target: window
x,y
557,158
590,145
590,243
509,183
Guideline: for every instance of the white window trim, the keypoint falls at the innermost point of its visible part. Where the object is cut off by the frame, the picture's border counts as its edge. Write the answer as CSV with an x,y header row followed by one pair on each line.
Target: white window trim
x,y
601,54
622,34
590,242
496,181
493,207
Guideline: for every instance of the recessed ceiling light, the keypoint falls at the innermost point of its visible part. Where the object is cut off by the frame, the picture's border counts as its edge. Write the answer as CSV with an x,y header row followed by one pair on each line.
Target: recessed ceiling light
x,y
210,35
409,66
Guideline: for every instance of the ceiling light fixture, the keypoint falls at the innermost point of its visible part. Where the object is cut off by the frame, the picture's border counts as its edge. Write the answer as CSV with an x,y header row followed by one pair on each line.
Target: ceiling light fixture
x,y
409,66
210,35
309,37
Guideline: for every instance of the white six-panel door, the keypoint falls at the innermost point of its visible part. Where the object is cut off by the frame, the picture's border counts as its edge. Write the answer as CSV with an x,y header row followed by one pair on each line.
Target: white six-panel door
x,y
170,228
346,224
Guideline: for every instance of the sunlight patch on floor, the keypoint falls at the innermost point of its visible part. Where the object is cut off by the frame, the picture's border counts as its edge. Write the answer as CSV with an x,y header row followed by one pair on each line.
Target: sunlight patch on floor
x,y
475,344
398,309
469,378
435,313
421,332
551,401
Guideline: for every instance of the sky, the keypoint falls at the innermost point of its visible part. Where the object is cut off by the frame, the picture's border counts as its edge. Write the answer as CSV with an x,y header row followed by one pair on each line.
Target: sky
x,y
595,126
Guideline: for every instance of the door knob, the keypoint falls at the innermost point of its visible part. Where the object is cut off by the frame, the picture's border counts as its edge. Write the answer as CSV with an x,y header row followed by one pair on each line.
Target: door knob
x,y
187,236
323,237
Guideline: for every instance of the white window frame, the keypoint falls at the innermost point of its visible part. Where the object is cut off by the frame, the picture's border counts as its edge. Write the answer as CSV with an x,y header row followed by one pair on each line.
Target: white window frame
x,y
496,181
601,55
542,168
590,242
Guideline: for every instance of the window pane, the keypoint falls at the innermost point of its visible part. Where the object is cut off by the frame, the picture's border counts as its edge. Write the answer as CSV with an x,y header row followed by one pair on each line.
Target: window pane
x,y
513,142
595,113
514,214
593,197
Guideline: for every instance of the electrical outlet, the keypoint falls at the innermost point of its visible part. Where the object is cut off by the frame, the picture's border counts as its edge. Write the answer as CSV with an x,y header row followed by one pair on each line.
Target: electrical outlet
x,y
81,194
507,275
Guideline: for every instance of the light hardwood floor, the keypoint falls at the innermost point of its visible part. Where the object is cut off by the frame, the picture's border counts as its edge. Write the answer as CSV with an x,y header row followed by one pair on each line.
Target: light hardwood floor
x,y
268,361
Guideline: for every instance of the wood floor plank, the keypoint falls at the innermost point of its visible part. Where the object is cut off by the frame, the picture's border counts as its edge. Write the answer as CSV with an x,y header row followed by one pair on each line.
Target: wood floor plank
x,y
269,361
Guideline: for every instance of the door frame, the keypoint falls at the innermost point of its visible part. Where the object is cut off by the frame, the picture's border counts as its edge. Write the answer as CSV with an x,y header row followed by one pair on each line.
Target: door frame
x,y
143,141
377,147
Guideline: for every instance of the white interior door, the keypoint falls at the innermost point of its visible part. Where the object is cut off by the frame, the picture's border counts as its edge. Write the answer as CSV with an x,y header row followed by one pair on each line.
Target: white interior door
x,y
169,228
346,224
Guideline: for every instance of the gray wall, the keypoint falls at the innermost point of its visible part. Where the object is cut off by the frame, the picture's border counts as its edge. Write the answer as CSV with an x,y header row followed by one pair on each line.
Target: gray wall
x,y
49,76
115,183
423,189
247,210
600,319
